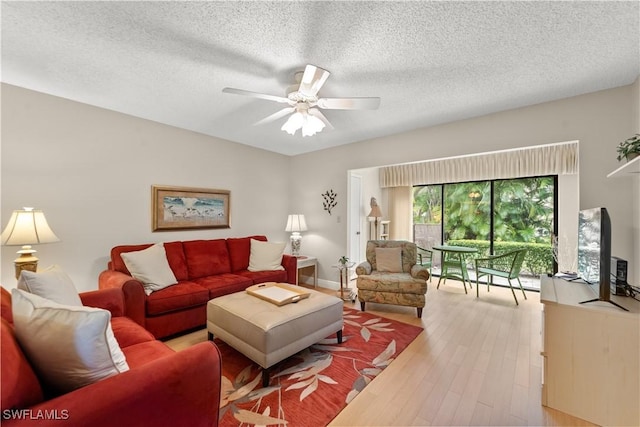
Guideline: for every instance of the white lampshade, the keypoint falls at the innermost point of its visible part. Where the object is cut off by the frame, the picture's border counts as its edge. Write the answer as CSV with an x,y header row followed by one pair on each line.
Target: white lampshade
x,y
27,227
296,223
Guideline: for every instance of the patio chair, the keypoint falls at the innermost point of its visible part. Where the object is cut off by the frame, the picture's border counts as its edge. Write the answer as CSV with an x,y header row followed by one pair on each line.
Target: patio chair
x,y
425,258
507,265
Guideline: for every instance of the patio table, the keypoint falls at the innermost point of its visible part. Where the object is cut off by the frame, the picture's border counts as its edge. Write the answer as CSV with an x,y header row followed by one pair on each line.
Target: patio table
x,y
454,265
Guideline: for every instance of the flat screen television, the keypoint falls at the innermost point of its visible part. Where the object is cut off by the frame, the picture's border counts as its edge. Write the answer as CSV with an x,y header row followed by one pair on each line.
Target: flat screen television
x,y
594,252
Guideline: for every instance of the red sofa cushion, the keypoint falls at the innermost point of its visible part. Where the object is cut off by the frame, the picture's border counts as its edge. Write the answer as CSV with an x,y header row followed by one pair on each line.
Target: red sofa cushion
x,y
224,284
20,387
177,297
240,251
177,260
206,257
175,257
264,276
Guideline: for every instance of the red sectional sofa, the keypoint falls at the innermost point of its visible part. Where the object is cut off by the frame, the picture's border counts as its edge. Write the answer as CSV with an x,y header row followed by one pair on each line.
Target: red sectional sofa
x,y
161,387
205,269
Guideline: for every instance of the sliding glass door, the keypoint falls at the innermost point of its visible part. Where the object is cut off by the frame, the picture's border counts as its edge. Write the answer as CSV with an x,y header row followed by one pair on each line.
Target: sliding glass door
x,y
467,212
427,218
494,217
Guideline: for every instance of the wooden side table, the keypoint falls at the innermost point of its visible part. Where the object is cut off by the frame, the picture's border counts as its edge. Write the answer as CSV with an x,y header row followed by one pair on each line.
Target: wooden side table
x,y
308,262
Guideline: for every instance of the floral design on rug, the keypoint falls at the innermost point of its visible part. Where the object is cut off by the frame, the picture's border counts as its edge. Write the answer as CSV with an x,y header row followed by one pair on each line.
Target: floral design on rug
x,y
325,371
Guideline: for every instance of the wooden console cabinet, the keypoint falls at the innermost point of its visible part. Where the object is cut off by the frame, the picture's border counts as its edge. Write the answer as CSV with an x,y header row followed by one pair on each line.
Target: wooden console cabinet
x,y
591,354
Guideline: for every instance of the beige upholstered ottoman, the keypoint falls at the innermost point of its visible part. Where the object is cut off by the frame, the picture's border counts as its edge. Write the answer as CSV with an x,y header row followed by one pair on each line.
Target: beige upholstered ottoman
x,y
267,333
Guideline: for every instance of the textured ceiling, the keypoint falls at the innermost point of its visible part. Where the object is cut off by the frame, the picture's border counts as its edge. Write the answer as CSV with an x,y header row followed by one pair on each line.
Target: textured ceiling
x,y
429,62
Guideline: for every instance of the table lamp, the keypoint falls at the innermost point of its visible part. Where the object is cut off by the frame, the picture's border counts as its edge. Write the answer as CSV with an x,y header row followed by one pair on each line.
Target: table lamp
x,y
296,224
375,214
25,228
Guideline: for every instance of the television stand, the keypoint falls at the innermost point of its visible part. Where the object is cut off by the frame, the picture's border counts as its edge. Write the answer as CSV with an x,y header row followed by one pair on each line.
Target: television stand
x,y
590,354
604,300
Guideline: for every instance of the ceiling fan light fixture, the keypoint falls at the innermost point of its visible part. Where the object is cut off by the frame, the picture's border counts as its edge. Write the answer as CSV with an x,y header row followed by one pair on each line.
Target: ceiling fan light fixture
x,y
312,125
307,123
295,122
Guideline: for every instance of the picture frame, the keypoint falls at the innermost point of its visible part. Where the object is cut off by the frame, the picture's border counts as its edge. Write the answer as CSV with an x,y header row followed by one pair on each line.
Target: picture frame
x,y
187,208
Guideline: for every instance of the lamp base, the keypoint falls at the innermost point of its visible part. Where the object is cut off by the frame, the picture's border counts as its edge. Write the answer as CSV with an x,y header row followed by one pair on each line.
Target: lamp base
x,y
296,240
26,261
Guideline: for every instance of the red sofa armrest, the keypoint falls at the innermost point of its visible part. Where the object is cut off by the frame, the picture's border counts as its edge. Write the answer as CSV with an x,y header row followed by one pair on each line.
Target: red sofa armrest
x,y
180,389
290,264
111,299
135,299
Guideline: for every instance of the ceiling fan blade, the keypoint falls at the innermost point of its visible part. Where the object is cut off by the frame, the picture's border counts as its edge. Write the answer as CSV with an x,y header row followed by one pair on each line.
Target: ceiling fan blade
x,y
275,116
349,103
257,95
312,80
318,114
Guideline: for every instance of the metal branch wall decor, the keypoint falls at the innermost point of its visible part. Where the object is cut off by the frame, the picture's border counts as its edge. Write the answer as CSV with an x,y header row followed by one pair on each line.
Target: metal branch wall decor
x,y
329,200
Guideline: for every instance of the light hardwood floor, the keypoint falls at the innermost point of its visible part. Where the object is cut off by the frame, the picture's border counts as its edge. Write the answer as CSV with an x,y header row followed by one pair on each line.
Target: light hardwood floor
x,y
476,363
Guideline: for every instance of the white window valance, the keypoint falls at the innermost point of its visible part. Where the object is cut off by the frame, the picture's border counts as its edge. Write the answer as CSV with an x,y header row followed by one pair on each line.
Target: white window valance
x,y
553,159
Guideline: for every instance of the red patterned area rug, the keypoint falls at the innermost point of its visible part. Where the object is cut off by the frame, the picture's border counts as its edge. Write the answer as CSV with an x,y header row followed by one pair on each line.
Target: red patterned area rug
x,y
313,386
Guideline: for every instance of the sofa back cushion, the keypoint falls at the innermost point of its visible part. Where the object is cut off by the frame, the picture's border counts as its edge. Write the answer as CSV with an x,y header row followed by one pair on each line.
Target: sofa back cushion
x,y
175,256
206,257
20,387
240,250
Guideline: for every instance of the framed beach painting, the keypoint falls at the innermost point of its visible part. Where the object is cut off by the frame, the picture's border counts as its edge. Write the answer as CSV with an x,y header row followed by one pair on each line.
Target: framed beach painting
x,y
184,208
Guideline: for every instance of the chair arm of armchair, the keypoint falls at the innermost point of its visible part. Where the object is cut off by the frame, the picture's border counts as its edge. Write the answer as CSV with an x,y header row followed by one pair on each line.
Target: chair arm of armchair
x,y
180,389
111,299
420,272
363,268
135,299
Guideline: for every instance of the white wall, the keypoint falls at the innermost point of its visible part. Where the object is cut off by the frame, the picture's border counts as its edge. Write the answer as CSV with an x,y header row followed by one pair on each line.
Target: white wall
x,y
91,170
634,262
598,120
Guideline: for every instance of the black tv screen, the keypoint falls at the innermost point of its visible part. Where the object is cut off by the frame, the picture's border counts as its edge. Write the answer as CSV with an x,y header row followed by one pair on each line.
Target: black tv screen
x,y
594,253
591,244
594,250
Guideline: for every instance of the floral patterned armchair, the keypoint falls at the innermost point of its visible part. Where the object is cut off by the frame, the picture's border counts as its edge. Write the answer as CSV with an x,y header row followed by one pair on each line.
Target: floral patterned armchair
x,y
390,275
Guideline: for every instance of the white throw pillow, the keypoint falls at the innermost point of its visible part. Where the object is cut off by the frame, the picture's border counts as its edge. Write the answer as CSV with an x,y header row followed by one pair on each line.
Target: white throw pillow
x,y
389,260
69,346
51,283
151,267
266,256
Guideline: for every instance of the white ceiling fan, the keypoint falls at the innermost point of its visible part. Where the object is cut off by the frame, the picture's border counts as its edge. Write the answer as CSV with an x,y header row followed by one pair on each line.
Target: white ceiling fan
x,y
303,102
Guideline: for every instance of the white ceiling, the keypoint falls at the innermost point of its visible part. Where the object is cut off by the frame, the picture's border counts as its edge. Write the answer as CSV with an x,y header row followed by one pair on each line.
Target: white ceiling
x,y
431,62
